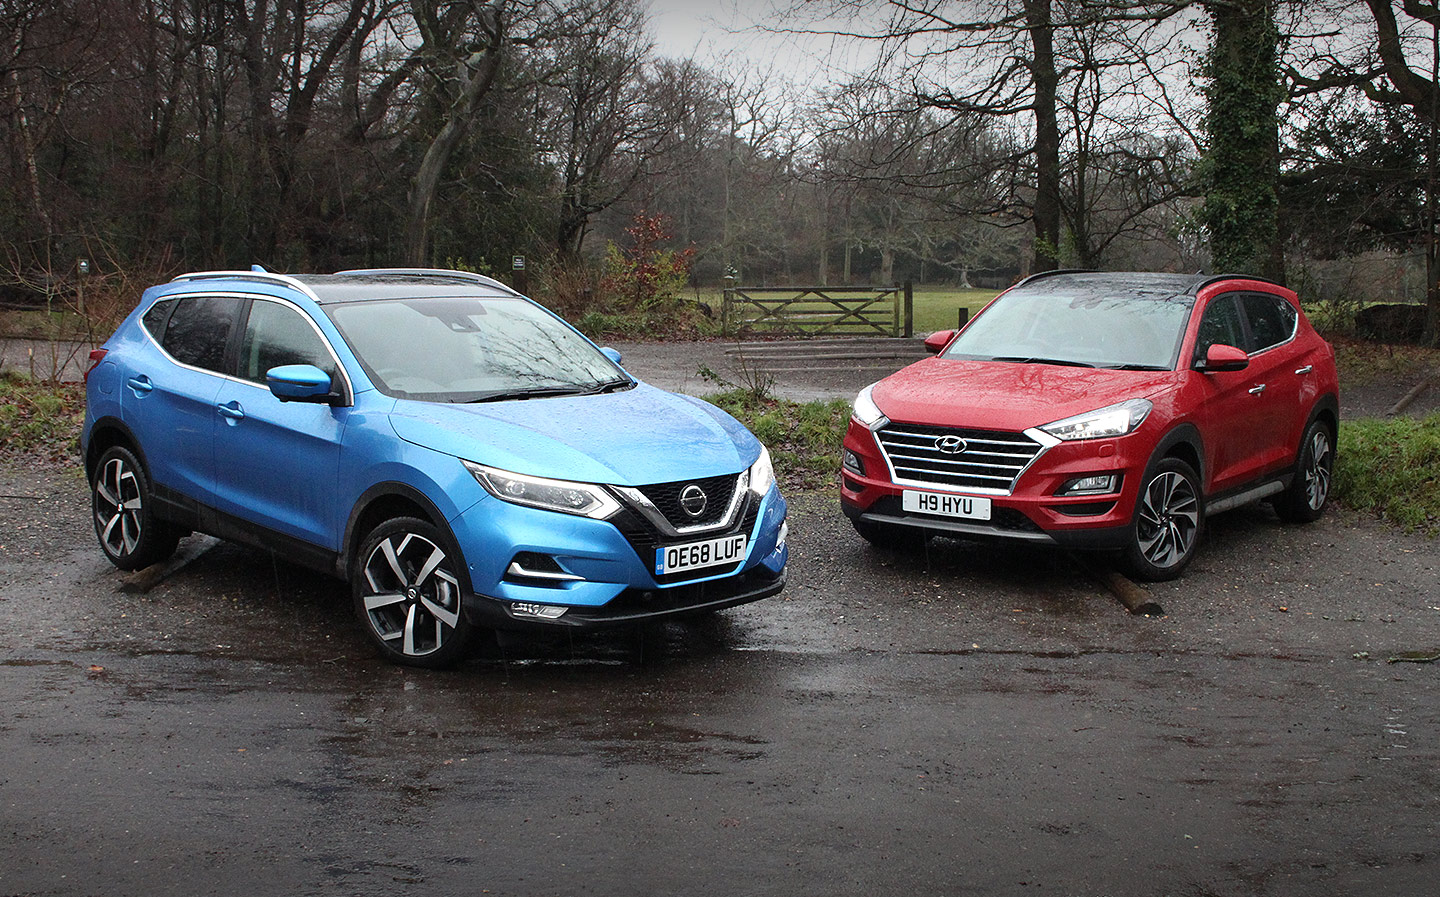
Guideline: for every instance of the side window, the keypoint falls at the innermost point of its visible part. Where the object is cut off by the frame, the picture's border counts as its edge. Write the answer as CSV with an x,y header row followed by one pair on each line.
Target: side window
x,y
199,330
155,318
1272,319
276,334
1220,326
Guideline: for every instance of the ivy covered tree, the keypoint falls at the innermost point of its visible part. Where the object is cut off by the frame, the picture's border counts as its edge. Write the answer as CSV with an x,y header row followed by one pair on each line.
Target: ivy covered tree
x,y
1241,171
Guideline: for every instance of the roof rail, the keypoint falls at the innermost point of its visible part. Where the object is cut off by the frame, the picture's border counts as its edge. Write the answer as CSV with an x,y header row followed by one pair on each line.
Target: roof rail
x,y
260,276
1052,272
1206,280
434,272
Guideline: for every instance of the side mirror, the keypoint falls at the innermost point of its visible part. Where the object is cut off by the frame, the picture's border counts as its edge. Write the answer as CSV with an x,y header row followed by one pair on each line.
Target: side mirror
x,y
936,342
1221,357
299,383
612,354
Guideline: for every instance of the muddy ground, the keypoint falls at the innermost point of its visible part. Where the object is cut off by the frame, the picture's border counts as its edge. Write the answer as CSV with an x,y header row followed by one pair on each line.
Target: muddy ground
x,y
976,720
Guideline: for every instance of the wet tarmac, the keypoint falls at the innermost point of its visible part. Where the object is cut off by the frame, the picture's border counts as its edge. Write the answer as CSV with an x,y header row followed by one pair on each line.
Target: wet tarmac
x,y
975,720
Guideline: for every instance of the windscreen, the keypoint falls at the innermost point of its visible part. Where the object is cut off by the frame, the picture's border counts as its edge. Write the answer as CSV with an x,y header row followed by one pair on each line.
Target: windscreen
x,y
1097,324
470,349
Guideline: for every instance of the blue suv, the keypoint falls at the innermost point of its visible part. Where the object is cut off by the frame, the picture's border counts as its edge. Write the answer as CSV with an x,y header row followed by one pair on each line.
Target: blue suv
x,y
461,455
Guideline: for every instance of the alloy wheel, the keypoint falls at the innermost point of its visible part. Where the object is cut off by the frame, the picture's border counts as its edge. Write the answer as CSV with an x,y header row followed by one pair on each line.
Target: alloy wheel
x,y
1318,472
411,599
1169,520
119,507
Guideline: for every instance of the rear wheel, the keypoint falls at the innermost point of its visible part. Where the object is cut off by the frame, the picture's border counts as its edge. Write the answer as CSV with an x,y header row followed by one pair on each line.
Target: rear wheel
x,y
407,593
1168,521
125,523
1309,490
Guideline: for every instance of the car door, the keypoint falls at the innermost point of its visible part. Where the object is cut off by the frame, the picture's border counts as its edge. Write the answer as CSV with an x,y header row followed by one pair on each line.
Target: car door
x,y
1276,369
276,462
169,396
1232,412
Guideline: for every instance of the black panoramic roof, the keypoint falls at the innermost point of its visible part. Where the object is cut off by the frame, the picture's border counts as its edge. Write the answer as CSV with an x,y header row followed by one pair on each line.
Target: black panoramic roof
x,y
1133,282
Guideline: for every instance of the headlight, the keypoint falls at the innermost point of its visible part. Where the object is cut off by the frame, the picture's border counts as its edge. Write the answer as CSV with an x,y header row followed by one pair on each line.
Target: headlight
x,y
762,473
1115,420
867,412
584,499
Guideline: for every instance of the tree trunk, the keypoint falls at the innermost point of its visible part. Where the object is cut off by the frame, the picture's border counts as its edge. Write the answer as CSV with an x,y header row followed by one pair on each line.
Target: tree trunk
x,y
476,75
1047,134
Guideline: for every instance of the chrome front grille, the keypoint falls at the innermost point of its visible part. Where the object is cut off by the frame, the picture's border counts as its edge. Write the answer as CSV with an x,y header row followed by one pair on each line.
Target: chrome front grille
x,y
957,459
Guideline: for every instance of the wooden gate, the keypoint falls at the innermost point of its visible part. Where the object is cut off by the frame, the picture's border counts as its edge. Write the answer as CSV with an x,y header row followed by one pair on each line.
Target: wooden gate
x,y
819,311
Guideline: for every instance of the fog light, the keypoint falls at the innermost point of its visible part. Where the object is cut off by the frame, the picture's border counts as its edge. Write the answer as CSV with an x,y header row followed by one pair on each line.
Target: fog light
x,y
538,611
1095,484
851,462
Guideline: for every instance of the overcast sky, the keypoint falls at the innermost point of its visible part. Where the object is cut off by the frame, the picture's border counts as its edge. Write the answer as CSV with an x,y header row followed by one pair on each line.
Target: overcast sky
x,y
716,32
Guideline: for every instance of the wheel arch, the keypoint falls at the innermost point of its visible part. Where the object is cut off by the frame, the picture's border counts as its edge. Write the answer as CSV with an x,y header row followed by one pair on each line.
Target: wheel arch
x,y
106,433
1184,444
385,501
1327,409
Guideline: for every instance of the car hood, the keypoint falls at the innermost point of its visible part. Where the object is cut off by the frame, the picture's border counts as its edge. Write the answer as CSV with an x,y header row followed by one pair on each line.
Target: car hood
x,y
998,395
636,437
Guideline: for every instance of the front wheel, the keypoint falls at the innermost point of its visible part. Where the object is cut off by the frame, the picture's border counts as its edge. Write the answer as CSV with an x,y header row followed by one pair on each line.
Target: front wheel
x,y
1309,490
1169,517
124,511
407,594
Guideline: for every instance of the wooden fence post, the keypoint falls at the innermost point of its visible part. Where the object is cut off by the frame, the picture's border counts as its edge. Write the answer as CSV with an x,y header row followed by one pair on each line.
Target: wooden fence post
x,y
909,310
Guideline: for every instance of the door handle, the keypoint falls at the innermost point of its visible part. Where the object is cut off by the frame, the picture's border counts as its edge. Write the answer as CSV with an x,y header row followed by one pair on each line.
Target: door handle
x,y
140,384
231,410
1306,369
1256,390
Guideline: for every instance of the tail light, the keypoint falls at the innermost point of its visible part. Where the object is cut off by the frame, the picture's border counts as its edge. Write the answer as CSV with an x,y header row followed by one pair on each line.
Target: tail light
x,y
96,356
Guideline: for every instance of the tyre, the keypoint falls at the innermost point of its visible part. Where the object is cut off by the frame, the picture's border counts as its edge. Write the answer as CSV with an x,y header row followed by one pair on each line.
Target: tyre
x,y
891,536
407,592
124,510
1309,490
1169,517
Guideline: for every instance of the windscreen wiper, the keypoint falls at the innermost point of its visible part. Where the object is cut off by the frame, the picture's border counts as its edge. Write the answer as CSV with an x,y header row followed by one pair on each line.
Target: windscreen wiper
x,y
531,392
1022,359
615,385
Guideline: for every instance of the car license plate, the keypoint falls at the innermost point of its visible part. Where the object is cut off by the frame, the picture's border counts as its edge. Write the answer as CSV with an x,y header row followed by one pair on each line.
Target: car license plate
x,y
698,555
967,507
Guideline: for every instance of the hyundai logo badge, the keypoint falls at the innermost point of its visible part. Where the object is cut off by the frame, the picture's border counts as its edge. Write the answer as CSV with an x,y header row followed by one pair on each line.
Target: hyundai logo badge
x,y
950,445
693,500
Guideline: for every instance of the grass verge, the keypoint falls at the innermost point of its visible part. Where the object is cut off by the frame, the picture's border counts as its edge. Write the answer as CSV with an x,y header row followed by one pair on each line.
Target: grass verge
x,y
39,419
1392,467
803,438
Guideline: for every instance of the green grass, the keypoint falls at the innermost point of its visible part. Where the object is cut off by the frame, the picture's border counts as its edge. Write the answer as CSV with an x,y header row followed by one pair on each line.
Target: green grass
x,y
1392,468
803,438
39,419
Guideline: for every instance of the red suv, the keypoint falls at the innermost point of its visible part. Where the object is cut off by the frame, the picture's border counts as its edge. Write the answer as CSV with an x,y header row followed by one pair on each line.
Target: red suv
x,y
1100,411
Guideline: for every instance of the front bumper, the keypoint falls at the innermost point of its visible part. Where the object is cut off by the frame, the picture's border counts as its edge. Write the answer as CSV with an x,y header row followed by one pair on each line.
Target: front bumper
x,y
1030,512
1012,526
635,605
603,570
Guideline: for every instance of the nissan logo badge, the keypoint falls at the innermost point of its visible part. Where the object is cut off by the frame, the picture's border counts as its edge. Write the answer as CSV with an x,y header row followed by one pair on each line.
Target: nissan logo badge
x,y
693,500
950,445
